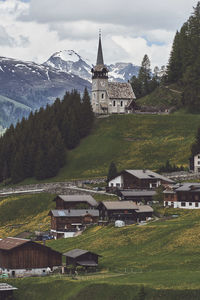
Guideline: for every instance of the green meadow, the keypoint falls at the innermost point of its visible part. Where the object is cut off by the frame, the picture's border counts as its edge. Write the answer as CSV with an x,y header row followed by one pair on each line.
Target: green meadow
x,y
163,256
131,141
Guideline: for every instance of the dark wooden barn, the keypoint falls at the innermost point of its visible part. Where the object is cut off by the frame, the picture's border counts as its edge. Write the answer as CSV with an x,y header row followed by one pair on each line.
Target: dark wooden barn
x,y
6,291
71,220
84,258
126,211
25,255
137,196
118,210
75,202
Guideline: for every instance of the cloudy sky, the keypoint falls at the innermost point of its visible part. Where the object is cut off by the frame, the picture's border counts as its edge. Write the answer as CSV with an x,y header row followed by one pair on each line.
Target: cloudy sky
x,y
35,29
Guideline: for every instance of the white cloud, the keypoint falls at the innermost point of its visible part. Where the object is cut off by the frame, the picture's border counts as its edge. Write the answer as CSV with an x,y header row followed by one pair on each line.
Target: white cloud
x,y
130,28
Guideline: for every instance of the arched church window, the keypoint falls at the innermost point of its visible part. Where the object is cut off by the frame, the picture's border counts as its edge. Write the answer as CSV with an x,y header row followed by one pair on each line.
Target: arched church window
x,y
114,103
102,96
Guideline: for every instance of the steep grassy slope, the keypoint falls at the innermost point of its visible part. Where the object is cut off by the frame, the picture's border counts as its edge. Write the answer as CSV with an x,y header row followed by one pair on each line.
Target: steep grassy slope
x,y
163,256
163,97
132,141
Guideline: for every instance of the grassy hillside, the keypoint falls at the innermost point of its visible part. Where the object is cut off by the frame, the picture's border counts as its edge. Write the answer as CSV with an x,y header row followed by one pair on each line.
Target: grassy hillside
x,y
132,141
163,97
163,256
29,212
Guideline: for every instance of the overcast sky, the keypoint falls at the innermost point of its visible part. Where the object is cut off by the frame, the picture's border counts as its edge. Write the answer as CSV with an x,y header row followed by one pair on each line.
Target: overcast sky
x,y
35,29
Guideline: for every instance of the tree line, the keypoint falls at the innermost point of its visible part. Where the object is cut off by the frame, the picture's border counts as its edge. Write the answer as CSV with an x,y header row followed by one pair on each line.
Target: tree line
x,y
36,146
184,62
146,81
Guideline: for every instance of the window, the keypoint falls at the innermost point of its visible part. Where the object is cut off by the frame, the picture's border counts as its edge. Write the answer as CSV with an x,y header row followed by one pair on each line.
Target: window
x,y
196,204
118,184
114,103
102,96
94,96
198,156
166,203
190,203
198,162
121,103
182,203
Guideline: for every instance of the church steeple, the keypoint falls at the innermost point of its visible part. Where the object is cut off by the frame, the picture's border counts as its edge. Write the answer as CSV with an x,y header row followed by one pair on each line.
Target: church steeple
x,y
100,52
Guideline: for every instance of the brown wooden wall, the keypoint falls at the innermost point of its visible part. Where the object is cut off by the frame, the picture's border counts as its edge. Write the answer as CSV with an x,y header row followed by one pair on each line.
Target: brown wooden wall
x,y
61,223
28,256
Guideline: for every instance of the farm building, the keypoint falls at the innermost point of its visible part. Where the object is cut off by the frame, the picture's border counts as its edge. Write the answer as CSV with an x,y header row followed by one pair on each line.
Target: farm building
x,y
84,258
138,179
75,201
65,223
137,196
6,291
124,210
19,257
185,195
195,163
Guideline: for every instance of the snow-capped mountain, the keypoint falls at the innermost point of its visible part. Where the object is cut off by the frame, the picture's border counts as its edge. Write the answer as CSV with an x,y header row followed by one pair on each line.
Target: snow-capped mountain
x,y
71,62
26,86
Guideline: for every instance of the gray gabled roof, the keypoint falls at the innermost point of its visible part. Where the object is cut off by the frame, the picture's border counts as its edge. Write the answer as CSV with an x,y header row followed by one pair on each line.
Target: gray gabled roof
x,y
138,193
118,205
122,91
77,252
79,198
7,287
74,212
188,186
144,208
147,174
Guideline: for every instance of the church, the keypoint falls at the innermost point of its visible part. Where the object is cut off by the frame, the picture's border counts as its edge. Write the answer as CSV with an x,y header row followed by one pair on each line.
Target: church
x,y
109,97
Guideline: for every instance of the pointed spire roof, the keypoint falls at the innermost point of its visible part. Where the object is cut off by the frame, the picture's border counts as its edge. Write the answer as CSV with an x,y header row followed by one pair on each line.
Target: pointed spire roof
x,y
100,52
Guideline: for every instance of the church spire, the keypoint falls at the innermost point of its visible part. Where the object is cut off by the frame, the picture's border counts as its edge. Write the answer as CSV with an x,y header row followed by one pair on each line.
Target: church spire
x,y
100,52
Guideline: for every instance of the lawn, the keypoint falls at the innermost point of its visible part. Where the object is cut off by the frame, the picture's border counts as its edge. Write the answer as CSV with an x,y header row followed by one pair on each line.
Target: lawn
x,y
131,141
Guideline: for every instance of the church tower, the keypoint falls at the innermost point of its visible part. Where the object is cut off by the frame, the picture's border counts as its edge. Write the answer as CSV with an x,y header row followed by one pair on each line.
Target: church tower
x,y
100,84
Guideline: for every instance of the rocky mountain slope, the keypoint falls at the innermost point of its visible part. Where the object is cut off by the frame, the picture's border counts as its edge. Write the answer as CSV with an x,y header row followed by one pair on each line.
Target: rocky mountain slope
x,y
71,62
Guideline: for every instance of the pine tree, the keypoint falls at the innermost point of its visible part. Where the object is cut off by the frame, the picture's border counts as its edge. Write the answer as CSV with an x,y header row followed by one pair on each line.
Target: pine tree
x,y
144,75
112,171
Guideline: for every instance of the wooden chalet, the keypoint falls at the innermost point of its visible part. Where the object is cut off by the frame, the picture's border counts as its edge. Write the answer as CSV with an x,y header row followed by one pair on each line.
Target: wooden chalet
x,y
185,195
84,258
6,291
126,211
64,222
137,196
138,179
25,257
75,202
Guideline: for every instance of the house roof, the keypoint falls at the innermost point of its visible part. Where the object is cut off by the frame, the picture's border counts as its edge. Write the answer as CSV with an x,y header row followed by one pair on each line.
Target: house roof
x,y
116,205
6,287
138,193
74,212
118,90
188,186
11,243
147,174
144,208
79,198
77,252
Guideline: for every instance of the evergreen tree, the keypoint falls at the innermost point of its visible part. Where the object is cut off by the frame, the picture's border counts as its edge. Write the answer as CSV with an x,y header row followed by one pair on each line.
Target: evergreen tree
x,y
144,75
112,171
87,115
